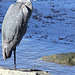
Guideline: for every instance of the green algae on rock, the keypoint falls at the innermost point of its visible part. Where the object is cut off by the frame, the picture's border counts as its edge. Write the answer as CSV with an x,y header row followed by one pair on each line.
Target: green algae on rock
x,y
64,58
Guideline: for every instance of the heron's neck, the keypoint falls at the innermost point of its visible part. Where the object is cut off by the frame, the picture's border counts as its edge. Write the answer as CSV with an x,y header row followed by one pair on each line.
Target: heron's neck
x,y
25,1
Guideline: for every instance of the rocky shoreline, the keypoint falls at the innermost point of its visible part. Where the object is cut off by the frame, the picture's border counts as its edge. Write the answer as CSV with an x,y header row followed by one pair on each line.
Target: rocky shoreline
x,y
6,71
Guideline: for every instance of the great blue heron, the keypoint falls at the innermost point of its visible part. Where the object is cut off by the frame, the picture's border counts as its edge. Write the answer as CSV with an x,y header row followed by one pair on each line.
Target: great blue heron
x,y
14,27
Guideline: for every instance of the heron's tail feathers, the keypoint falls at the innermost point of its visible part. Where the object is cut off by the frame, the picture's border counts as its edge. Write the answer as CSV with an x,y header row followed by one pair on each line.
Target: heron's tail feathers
x,y
7,52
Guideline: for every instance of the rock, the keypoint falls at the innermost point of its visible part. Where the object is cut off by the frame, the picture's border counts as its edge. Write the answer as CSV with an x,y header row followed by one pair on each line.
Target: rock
x,y
64,58
5,71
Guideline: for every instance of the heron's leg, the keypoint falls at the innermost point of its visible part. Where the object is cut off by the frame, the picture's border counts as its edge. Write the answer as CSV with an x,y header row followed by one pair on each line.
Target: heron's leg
x,y
15,59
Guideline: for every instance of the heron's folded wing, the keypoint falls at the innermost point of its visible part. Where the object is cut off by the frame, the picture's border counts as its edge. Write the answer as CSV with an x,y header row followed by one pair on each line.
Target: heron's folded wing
x,y
14,22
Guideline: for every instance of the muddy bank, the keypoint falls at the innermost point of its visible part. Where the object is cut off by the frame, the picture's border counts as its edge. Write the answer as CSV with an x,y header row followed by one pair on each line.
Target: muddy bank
x,y
5,71
64,58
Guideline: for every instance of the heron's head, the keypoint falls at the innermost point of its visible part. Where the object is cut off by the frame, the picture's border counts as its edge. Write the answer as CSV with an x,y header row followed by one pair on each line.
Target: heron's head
x,y
24,0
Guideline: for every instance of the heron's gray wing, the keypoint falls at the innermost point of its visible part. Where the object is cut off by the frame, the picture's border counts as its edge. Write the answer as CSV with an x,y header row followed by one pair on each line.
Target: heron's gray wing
x,y
14,21
14,26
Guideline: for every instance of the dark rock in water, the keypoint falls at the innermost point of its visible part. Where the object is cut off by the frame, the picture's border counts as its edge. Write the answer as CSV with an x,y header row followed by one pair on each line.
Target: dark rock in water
x,y
64,58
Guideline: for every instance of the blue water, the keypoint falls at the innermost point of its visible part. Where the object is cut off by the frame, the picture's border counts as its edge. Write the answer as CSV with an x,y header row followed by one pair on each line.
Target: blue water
x,y
30,51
